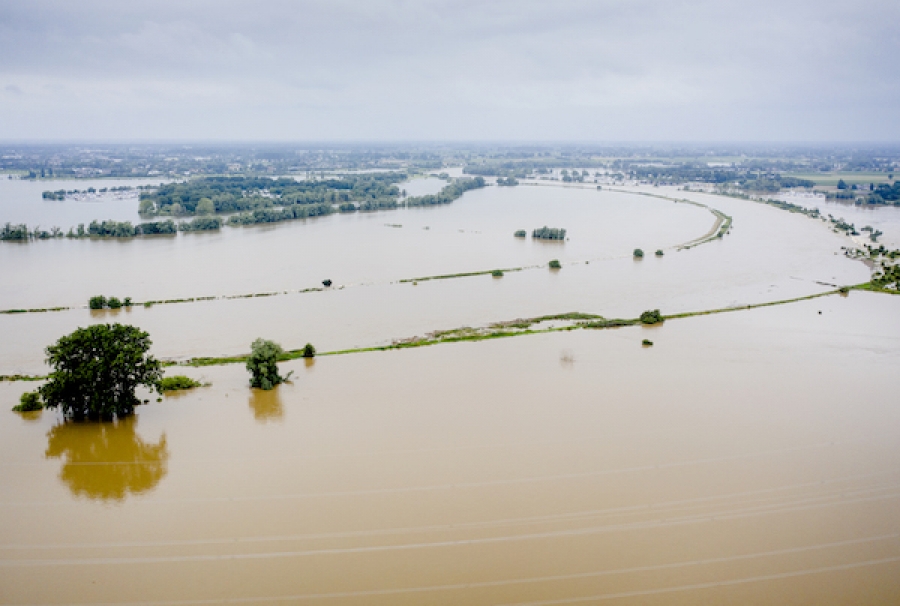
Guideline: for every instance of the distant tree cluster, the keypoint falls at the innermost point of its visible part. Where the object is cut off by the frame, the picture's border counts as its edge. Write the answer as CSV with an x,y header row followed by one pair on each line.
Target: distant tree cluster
x,y
375,192
549,233
101,302
60,194
448,194
885,194
209,195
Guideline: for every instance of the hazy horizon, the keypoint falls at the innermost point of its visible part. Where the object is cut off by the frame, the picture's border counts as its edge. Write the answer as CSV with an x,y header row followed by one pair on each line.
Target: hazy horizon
x,y
506,72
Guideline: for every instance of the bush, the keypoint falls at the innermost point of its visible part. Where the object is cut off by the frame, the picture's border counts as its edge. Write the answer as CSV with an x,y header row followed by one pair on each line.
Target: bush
x,y
497,273
127,302
30,401
521,233
659,253
114,303
554,264
177,382
638,253
263,370
651,317
647,343
96,370
98,302
309,351
326,283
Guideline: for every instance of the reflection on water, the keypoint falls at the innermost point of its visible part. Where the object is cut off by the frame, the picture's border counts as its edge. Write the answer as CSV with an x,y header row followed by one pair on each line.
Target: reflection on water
x,y
266,405
107,460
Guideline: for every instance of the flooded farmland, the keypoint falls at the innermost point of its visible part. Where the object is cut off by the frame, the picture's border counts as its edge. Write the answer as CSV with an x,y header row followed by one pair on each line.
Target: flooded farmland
x,y
745,455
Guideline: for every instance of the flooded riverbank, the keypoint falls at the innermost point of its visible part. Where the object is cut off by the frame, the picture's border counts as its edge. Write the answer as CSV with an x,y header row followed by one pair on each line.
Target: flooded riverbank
x,y
769,255
740,457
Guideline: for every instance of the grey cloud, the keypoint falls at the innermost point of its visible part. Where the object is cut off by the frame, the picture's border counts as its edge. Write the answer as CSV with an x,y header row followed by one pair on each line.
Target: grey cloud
x,y
503,69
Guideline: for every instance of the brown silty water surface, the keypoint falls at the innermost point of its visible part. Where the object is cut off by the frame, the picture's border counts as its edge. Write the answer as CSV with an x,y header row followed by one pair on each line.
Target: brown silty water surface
x,y
769,255
747,457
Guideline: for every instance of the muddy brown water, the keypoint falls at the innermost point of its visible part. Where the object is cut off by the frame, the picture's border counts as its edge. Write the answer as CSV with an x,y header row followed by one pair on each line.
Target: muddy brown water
x,y
748,457
769,255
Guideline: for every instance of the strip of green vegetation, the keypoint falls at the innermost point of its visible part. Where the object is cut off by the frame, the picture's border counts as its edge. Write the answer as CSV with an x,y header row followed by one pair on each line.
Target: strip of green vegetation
x,y
22,377
33,310
497,330
460,275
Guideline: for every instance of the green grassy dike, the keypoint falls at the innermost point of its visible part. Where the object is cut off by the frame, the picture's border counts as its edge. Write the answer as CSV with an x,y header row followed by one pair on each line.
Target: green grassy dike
x,y
517,328
502,330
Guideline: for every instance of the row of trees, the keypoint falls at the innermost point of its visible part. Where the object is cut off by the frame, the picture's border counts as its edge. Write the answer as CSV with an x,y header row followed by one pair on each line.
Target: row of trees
x,y
263,211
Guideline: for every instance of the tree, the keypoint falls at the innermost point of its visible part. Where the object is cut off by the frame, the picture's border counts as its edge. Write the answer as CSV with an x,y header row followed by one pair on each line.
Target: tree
x,y
309,351
205,207
96,370
841,184
98,302
554,264
261,364
651,317
638,253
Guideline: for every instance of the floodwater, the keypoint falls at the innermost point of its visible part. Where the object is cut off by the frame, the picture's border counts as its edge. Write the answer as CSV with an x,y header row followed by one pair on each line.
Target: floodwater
x,y
883,218
769,255
748,457
21,202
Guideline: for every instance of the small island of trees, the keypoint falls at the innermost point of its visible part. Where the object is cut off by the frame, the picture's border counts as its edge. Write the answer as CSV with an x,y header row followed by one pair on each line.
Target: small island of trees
x,y
549,233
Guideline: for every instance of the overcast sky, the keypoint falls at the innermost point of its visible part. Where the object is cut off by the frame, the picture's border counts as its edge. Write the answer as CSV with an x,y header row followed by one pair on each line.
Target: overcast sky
x,y
504,70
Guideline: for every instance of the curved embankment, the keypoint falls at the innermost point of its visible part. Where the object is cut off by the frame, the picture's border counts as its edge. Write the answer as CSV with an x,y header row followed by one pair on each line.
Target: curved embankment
x,y
498,330
721,225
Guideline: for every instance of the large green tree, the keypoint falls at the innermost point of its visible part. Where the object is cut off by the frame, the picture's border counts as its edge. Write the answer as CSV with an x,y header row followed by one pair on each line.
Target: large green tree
x,y
97,369
261,364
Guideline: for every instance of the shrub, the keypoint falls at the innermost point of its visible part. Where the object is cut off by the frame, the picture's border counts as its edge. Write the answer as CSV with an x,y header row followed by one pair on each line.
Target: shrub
x,y
261,364
651,317
177,382
309,351
114,303
659,253
638,253
554,264
127,302
326,283
30,401
96,370
521,233
647,343
497,273
98,302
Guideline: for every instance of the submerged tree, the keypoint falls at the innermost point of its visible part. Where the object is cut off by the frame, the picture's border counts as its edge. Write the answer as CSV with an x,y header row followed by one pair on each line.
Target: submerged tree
x,y
652,317
262,364
97,369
